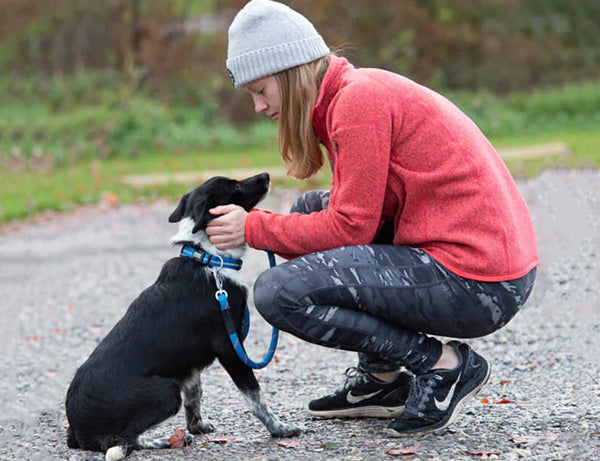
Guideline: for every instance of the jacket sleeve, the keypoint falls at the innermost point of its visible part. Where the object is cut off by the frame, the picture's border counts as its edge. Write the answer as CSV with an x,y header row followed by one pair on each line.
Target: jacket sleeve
x,y
361,144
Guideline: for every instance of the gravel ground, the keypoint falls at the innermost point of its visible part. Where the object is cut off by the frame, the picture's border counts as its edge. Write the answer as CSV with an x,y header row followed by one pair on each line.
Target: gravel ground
x,y
66,279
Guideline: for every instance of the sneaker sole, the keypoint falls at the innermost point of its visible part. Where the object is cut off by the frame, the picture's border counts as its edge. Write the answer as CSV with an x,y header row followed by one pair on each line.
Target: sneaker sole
x,y
443,424
360,412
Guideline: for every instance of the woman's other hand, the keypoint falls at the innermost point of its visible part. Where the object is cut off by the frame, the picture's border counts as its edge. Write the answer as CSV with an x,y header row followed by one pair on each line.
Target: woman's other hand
x,y
229,229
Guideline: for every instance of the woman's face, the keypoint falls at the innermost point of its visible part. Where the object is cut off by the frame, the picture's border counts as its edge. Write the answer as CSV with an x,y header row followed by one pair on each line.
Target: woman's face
x,y
265,94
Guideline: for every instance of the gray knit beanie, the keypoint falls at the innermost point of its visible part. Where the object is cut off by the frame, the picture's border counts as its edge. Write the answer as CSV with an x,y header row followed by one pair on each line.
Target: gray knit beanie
x,y
266,37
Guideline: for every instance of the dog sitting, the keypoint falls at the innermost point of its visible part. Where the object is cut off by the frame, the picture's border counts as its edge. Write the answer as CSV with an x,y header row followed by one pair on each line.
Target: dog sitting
x,y
134,378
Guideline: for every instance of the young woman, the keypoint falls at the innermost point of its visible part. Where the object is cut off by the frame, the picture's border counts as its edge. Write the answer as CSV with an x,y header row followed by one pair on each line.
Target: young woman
x,y
423,231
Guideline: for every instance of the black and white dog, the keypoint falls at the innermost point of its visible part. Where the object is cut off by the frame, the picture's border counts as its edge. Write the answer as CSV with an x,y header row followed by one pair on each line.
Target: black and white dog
x,y
134,378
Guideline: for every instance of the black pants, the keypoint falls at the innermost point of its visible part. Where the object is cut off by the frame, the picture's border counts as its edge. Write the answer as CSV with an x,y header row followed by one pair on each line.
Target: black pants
x,y
382,301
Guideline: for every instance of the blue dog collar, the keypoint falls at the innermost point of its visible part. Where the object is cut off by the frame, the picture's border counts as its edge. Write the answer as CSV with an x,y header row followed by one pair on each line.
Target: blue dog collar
x,y
210,260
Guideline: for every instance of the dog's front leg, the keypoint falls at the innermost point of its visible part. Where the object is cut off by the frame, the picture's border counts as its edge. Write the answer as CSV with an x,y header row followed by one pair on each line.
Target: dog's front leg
x,y
246,382
192,396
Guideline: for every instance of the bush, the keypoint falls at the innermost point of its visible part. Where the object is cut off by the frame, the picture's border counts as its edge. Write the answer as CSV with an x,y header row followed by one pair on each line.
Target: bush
x,y
93,115
554,109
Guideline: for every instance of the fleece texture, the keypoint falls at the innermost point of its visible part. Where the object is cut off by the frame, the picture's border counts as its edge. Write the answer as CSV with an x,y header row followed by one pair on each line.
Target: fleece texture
x,y
403,153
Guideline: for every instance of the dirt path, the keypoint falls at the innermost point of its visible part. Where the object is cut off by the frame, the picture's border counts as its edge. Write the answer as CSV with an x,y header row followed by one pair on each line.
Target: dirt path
x,y
65,281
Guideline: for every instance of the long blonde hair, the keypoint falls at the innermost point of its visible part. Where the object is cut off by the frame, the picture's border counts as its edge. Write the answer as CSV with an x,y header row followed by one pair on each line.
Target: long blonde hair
x,y
298,143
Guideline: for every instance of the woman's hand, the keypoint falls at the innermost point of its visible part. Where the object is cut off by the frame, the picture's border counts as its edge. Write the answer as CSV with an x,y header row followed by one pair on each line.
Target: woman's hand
x,y
228,230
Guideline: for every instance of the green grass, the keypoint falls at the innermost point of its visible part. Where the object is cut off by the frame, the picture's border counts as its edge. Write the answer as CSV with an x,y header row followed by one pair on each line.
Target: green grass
x,y
89,132
584,146
28,192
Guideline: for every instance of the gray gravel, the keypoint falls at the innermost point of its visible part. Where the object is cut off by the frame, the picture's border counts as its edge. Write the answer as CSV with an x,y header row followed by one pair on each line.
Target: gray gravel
x,y
66,279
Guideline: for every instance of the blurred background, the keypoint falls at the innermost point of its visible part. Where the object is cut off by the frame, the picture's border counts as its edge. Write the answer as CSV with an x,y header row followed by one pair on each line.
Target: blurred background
x,y
94,91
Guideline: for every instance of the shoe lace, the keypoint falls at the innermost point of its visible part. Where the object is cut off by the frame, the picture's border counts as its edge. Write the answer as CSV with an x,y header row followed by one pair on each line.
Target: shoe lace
x,y
354,376
419,394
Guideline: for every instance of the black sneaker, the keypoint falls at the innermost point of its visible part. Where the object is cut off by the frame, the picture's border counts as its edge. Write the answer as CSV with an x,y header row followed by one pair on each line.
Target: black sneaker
x,y
363,396
436,398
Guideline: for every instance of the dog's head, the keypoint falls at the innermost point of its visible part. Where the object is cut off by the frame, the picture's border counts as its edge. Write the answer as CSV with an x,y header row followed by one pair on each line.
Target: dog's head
x,y
193,206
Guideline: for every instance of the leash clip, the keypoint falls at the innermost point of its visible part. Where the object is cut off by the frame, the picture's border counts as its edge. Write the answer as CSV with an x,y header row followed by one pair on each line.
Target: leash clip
x,y
220,293
215,270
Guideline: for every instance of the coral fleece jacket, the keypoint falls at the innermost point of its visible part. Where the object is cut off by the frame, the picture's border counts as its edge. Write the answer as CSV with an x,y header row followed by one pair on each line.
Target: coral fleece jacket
x,y
400,152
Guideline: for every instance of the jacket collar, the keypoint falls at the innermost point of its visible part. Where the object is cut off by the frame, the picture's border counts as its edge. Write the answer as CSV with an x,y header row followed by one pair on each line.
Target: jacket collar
x,y
332,82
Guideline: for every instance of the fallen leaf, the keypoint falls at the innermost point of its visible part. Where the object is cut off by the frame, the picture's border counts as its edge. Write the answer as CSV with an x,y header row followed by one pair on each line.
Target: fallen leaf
x,y
403,451
330,446
505,381
516,402
221,440
289,444
177,440
34,338
111,198
484,400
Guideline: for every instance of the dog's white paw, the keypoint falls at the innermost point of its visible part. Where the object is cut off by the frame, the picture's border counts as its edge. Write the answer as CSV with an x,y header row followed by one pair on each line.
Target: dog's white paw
x,y
115,453
200,427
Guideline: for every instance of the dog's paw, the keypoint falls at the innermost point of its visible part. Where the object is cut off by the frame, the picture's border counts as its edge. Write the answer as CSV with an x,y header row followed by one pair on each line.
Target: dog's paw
x,y
285,430
200,427
115,453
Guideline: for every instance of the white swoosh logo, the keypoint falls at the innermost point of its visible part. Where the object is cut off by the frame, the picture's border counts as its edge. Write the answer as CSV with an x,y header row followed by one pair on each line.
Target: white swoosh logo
x,y
444,404
359,398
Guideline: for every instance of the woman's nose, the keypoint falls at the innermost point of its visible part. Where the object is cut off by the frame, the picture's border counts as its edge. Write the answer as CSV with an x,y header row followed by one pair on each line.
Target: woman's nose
x,y
259,105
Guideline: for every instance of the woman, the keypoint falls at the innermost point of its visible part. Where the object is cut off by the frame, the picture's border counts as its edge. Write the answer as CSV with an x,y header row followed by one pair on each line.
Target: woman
x,y
423,231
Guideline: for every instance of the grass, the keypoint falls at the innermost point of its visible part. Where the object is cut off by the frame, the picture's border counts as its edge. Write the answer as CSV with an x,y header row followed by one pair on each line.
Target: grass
x,y
26,193
584,145
60,148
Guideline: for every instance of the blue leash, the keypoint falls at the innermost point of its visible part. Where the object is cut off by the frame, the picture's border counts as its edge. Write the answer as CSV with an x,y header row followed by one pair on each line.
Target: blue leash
x,y
216,263
221,296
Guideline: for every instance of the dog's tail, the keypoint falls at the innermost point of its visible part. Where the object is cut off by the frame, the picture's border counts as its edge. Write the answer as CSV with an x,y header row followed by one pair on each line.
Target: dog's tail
x,y
71,439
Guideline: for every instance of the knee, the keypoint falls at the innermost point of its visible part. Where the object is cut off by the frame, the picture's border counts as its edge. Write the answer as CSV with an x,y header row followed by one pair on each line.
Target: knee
x,y
266,289
311,201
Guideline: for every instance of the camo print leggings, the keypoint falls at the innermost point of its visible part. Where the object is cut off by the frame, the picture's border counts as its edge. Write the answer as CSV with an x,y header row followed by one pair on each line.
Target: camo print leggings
x,y
382,301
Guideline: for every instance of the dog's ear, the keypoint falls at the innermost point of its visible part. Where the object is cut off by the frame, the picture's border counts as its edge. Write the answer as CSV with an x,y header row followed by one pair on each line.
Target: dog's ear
x,y
201,216
178,213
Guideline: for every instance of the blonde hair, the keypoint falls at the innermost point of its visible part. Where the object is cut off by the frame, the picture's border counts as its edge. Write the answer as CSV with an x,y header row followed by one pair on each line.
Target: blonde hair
x,y
299,144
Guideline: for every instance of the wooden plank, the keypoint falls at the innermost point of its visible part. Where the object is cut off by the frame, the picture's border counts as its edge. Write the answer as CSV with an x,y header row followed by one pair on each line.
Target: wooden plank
x,y
278,173
535,151
197,177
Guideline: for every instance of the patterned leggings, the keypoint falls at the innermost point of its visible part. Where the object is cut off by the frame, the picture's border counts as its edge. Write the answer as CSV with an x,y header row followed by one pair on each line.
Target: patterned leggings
x,y
382,301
